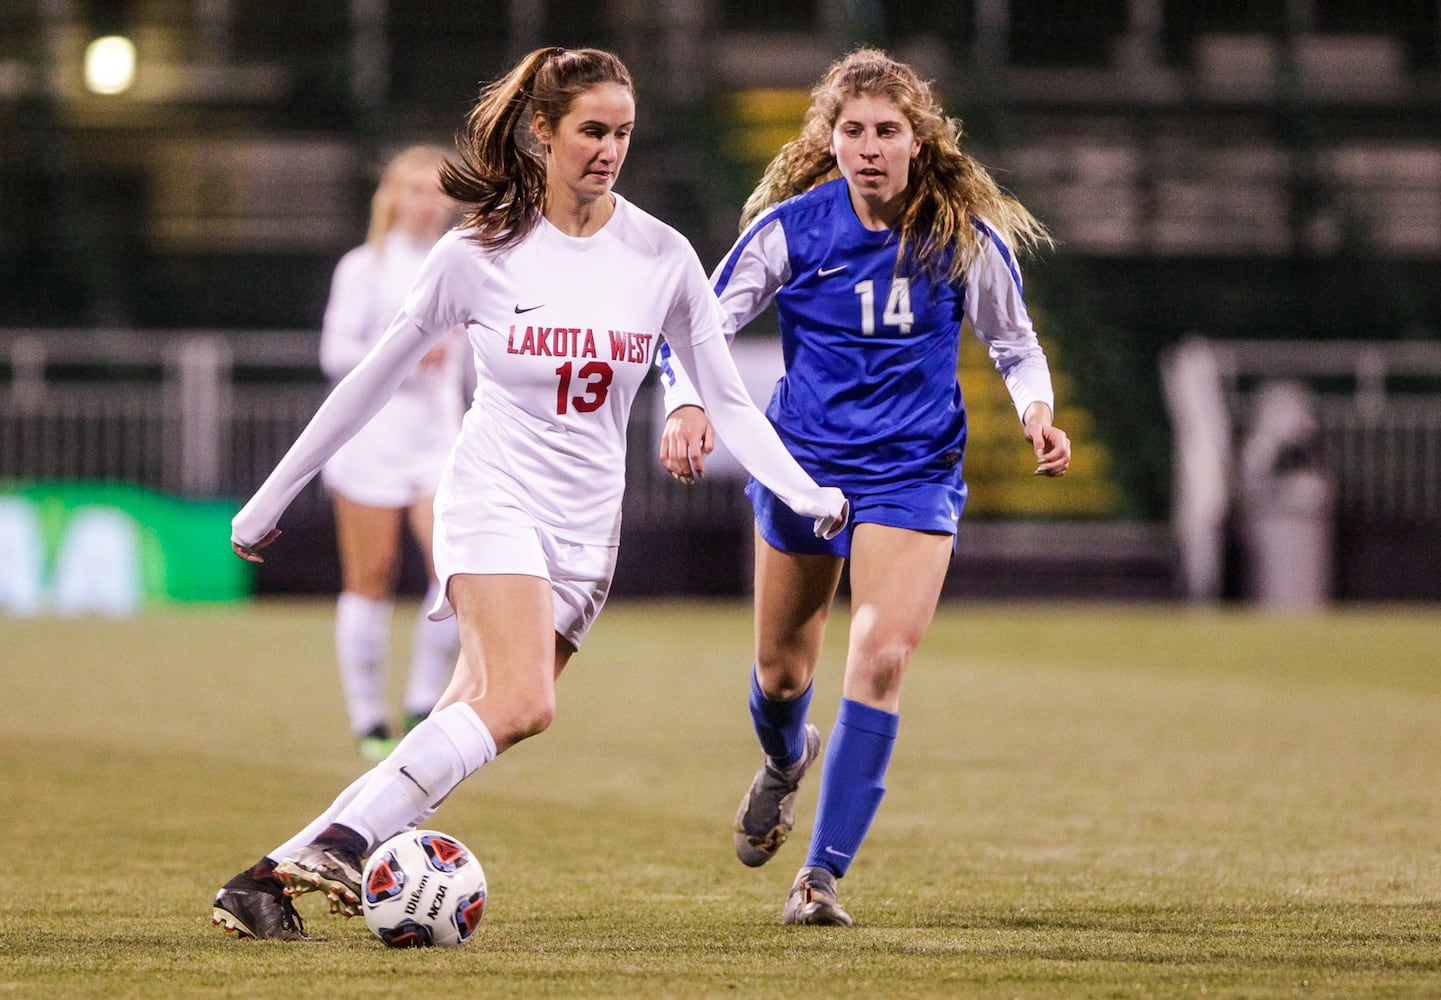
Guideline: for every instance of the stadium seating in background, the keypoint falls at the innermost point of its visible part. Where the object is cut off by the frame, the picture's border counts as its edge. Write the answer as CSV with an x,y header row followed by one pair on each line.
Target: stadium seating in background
x,y
999,465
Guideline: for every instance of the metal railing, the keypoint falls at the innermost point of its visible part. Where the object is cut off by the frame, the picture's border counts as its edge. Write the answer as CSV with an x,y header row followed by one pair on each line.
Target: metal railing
x,y
198,413
1378,415
1377,435
202,413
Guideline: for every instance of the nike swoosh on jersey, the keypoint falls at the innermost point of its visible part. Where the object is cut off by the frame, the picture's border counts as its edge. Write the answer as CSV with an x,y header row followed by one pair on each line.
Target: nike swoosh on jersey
x,y
519,310
826,272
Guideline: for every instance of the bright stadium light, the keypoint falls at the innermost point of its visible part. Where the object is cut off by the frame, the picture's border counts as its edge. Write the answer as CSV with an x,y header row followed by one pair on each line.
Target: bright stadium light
x,y
110,65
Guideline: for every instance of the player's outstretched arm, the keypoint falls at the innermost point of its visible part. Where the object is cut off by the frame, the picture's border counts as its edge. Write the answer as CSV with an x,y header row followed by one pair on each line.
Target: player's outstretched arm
x,y
748,434
746,281
357,398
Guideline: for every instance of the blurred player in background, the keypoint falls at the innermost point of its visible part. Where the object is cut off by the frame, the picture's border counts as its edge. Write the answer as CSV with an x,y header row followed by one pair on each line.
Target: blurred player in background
x,y
384,478
875,236
564,288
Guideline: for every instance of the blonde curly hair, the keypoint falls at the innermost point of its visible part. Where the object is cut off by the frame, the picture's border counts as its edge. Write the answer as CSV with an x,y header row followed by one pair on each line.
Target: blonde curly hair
x,y
947,186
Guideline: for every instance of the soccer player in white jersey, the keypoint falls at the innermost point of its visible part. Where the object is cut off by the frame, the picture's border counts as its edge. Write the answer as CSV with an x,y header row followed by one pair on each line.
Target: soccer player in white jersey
x,y
875,236
386,475
564,289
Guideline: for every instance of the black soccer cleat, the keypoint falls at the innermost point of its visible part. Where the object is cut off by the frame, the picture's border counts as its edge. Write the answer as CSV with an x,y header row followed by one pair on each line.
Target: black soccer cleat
x,y
333,870
251,907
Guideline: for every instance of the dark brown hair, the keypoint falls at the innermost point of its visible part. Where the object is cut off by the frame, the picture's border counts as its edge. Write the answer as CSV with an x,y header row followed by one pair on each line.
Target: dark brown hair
x,y
500,177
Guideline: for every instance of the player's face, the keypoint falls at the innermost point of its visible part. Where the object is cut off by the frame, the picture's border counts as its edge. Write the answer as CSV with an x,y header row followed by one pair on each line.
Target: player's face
x,y
585,149
421,209
873,143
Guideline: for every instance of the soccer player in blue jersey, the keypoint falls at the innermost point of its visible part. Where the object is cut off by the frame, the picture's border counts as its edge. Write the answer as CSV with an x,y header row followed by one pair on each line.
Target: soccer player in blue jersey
x,y
875,236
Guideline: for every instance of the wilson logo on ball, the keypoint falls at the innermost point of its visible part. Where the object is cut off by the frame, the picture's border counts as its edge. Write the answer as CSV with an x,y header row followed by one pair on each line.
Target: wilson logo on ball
x,y
423,888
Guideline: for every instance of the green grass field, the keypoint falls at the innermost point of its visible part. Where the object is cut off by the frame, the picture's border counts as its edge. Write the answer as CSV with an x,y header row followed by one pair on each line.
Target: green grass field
x,y
1085,801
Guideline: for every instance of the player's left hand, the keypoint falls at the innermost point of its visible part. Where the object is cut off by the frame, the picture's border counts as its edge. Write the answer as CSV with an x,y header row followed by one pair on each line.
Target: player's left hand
x,y
687,439
1053,447
831,525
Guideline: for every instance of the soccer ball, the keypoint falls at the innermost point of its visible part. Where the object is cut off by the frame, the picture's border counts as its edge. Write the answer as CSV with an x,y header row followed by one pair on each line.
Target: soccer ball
x,y
422,888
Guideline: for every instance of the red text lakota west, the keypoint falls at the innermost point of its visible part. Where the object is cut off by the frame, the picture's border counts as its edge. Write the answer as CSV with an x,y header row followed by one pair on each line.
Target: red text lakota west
x,y
575,342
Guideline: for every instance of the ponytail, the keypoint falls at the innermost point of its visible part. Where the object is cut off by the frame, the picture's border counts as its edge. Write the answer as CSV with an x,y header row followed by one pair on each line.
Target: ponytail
x,y
500,182
500,177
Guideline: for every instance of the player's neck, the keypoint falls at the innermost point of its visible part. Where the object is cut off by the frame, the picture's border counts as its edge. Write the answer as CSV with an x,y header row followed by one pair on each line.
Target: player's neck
x,y
575,217
877,215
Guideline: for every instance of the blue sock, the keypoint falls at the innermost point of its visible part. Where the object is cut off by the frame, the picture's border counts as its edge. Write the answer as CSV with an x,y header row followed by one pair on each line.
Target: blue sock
x,y
852,783
780,725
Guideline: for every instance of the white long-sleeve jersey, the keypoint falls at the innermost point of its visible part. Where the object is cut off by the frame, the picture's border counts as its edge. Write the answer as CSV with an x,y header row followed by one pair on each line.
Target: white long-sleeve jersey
x,y
563,331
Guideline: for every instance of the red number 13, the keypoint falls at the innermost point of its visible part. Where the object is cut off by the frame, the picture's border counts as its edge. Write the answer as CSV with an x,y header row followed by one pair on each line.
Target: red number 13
x,y
596,376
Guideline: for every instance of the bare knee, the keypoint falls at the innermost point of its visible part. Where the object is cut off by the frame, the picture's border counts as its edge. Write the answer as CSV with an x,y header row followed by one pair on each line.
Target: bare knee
x,y
371,574
784,675
875,675
518,719
534,719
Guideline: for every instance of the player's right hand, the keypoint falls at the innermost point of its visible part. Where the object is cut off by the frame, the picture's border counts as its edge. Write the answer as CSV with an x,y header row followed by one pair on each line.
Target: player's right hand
x,y
251,553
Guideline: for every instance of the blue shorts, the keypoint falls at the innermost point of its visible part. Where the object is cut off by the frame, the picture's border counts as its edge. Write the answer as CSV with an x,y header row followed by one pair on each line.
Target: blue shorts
x,y
920,506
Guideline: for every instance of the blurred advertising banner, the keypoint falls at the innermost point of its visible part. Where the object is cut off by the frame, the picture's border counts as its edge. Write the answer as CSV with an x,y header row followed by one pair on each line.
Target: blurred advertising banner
x,y
112,549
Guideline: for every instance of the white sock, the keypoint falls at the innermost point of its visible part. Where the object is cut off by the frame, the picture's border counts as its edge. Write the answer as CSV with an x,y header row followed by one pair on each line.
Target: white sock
x,y
319,823
432,660
433,758
362,645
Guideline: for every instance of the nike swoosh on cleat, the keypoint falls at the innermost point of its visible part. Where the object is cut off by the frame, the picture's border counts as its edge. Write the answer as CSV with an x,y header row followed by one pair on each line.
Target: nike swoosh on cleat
x,y
519,310
826,272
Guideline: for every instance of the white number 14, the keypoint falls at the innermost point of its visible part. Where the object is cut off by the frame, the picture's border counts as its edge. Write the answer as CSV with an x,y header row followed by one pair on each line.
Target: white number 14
x,y
898,306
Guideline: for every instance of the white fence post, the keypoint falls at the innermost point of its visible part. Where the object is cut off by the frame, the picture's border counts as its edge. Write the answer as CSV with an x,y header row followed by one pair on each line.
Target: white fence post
x,y
1201,464
199,372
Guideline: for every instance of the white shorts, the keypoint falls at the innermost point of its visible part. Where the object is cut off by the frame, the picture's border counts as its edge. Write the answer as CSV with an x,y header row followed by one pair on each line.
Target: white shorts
x,y
393,461
385,487
485,538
